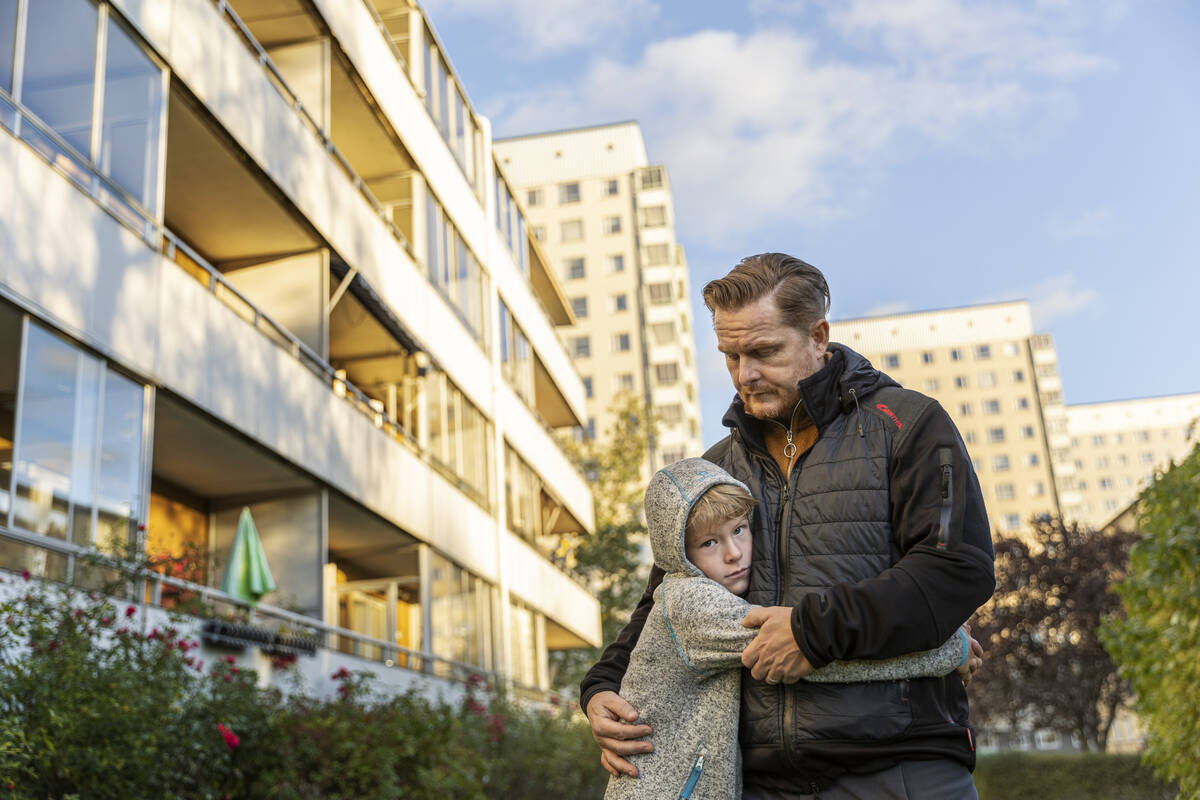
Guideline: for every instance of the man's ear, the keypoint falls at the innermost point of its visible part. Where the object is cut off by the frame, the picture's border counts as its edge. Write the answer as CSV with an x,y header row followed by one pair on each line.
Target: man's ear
x,y
820,335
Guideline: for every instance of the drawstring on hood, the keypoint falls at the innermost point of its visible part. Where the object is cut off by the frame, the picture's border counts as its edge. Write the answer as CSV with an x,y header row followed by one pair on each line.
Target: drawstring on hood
x,y
857,413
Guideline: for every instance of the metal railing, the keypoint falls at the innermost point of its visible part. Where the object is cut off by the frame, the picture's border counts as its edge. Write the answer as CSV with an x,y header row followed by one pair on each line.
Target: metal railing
x,y
146,586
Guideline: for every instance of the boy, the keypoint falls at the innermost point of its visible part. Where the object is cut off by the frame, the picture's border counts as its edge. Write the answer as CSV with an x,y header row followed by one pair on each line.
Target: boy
x,y
685,672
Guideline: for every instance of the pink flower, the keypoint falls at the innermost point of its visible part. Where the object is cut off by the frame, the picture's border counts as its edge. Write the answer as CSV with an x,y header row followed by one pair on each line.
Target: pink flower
x,y
231,739
25,574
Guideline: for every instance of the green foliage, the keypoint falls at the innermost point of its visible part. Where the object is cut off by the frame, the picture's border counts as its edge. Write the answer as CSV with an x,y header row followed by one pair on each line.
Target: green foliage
x,y
609,561
1157,644
1045,664
1066,776
93,706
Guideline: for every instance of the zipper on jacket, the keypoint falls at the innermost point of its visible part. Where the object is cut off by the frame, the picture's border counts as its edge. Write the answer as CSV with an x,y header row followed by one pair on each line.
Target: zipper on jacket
x,y
946,462
693,778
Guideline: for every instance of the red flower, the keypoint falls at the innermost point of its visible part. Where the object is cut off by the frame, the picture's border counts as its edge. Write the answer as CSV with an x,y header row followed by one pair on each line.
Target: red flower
x,y
25,574
130,611
231,739
475,707
341,675
230,660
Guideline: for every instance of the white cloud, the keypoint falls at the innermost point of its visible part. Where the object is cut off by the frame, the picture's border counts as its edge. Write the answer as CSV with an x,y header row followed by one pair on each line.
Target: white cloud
x,y
1081,225
768,127
546,27
1056,297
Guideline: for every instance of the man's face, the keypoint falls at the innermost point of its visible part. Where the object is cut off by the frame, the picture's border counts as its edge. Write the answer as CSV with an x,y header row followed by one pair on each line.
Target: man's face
x,y
766,358
722,552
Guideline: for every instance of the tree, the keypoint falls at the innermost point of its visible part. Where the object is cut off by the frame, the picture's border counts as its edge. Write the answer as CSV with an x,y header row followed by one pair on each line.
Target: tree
x,y
609,561
1157,643
1045,665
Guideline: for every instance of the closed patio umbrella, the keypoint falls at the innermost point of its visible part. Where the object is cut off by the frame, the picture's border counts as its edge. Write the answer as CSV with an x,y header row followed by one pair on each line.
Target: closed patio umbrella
x,y
247,575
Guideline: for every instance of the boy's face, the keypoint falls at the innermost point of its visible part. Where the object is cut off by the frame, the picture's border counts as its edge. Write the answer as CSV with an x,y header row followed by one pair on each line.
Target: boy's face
x,y
722,552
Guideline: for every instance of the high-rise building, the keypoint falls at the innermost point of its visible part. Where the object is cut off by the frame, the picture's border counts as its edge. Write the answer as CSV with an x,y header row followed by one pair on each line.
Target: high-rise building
x,y
997,379
604,216
260,255
1117,446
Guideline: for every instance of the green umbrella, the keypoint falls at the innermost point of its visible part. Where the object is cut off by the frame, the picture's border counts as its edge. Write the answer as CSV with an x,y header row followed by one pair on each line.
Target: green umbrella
x,y
247,575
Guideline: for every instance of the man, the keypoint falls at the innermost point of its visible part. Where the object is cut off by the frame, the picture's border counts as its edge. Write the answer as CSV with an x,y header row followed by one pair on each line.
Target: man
x,y
871,541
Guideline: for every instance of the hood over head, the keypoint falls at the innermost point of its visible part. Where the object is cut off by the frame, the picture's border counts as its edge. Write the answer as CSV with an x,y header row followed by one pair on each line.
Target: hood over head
x,y
672,493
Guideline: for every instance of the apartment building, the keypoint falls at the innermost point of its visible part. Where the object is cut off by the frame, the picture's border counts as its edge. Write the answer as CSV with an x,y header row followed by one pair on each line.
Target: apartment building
x,y
604,217
259,254
1117,446
999,382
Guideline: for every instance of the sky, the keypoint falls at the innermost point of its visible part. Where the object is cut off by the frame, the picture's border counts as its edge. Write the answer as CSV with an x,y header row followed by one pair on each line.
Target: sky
x,y
923,153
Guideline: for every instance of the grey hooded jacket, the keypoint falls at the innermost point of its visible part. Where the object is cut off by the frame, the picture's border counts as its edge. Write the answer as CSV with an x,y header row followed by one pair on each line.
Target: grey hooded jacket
x,y
684,674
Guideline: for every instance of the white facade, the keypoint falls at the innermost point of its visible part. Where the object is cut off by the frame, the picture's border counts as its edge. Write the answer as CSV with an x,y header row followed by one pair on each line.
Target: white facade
x,y
253,228
605,219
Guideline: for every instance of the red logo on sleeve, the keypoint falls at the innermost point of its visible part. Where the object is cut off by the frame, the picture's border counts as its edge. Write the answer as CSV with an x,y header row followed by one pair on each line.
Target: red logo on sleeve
x,y
891,414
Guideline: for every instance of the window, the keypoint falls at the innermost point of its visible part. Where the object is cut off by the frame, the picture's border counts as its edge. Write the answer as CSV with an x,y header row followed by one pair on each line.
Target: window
x,y
976,465
78,463
516,356
987,380
1106,483
961,382
1032,459
621,343
1146,458
663,333
927,357
60,41
991,406
1000,463
612,224
657,255
133,101
1011,348
652,178
969,437
615,263
620,302
579,307
666,374
1102,462
1052,398
1027,432
1021,404
931,385
1098,440
654,216
660,293
1012,521
1005,491
534,198
570,230
673,454
453,269
995,435
623,382
581,346
587,387
964,409
568,193
574,268
671,414
891,361
1119,438
1018,376
539,232
1110,505
1046,370
983,352
956,354
611,187
1123,459
8,27
1143,436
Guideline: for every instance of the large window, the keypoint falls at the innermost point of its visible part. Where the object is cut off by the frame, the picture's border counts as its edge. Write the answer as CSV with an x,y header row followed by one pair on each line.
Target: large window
x,y
460,436
8,41
461,614
454,270
511,223
447,105
77,466
516,357
525,644
133,105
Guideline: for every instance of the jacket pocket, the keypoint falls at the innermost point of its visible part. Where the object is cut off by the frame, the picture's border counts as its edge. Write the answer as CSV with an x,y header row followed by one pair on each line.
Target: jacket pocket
x,y
850,711
689,785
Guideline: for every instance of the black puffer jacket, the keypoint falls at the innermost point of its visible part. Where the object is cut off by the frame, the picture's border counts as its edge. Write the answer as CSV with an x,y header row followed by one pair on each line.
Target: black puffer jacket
x,y
880,544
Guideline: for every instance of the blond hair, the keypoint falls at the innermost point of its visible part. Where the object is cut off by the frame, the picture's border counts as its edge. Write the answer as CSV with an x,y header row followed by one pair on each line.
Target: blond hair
x,y
720,503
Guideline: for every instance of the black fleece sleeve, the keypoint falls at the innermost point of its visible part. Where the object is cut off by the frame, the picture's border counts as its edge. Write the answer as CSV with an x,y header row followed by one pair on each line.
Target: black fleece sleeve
x,y
606,674
940,577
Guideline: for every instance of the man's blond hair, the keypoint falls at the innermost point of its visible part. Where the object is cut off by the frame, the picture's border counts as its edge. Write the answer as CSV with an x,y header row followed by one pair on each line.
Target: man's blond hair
x,y
721,503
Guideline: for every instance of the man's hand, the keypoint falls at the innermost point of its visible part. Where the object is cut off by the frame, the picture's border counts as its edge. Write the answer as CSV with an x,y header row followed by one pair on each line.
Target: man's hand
x,y
966,671
612,720
774,656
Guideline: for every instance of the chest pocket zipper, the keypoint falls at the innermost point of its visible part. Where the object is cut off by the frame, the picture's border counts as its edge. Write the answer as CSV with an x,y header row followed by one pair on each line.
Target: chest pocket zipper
x,y
946,462
693,779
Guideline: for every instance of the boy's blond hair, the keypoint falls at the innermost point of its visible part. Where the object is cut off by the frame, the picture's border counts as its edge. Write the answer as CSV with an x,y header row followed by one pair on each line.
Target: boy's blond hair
x,y
720,503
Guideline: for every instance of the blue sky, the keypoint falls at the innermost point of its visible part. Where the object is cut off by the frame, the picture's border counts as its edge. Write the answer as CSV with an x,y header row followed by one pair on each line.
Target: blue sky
x,y
922,153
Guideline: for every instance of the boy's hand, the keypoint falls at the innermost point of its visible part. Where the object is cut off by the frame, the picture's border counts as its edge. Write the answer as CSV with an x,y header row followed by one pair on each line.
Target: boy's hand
x,y
612,720
966,671
774,656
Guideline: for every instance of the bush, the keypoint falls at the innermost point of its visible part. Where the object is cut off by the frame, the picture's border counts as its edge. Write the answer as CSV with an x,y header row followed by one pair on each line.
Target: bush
x,y
92,707
1066,776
